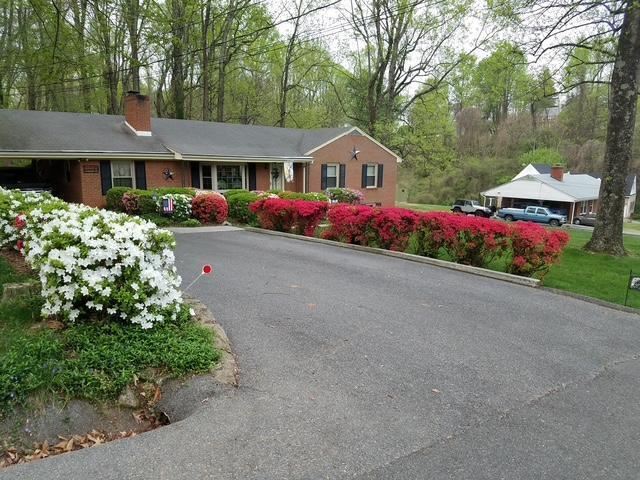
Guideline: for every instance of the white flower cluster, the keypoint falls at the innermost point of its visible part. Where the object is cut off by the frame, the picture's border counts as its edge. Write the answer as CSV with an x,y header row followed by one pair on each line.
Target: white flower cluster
x,y
101,262
181,204
14,203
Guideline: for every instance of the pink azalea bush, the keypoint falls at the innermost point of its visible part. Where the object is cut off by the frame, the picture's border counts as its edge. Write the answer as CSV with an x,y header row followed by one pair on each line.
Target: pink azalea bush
x,y
535,249
210,207
297,216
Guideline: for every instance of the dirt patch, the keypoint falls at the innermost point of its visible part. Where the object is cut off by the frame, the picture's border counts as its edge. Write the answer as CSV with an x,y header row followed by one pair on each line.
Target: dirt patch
x,y
17,262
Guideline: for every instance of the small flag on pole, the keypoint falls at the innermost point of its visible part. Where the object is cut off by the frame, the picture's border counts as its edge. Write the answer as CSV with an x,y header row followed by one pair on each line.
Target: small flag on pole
x,y
207,270
167,205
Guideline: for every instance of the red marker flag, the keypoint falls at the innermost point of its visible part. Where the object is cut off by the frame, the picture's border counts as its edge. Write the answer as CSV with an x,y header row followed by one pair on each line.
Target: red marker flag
x,y
207,270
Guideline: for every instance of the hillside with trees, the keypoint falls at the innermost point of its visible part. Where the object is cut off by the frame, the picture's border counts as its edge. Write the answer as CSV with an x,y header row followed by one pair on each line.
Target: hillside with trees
x,y
466,92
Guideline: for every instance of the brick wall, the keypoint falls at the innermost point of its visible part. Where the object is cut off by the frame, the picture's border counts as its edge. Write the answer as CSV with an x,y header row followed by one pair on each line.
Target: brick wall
x,y
340,152
263,176
156,179
298,179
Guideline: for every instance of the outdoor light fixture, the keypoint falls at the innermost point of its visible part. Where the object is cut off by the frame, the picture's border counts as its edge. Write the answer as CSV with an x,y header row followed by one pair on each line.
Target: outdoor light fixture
x,y
168,174
354,153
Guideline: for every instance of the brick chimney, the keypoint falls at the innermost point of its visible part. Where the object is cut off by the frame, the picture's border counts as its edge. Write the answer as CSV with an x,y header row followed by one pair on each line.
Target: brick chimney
x,y
137,113
557,172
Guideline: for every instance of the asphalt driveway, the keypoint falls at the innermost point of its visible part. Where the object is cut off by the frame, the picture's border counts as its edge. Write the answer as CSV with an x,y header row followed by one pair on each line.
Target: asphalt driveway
x,y
366,366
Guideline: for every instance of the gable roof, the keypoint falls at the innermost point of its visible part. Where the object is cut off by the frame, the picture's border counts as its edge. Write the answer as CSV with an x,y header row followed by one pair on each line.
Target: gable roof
x,y
630,183
573,188
39,134
542,168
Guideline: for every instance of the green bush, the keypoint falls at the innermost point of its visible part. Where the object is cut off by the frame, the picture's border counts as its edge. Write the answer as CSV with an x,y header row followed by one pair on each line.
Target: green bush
x,y
311,197
191,222
114,198
239,207
159,220
234,191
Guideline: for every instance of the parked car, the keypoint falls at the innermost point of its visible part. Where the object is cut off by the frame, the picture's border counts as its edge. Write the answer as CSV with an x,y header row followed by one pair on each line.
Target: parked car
x,y
585,219
471,207
532,214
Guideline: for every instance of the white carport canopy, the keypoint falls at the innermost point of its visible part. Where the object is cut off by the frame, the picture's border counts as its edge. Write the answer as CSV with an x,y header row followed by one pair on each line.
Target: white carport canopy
x,y
533,188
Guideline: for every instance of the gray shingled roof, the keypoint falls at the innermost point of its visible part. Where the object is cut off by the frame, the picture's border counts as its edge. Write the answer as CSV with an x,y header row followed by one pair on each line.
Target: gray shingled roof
x,y
628,185
542,168
36,131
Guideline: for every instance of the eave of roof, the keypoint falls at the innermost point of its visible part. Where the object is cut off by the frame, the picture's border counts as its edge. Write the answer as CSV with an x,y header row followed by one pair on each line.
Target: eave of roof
x,y
169,155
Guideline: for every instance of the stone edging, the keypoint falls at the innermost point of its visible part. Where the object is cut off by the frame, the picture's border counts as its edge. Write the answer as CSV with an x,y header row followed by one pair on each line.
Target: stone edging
x,y
506,277
227,371
595,301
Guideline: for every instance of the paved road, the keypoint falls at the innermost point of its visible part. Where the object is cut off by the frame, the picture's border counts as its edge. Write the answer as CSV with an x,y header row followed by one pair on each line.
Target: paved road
x,y
365,366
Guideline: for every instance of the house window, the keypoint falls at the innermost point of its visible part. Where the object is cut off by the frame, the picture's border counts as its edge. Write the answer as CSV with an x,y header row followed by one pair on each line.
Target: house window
x,y
222,177
332,175
371,179
586,207
122,174
229,176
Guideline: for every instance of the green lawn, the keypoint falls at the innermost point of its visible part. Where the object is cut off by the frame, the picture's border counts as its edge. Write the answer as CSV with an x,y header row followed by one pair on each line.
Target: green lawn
x,y
595,275
421,207
93,360
632,227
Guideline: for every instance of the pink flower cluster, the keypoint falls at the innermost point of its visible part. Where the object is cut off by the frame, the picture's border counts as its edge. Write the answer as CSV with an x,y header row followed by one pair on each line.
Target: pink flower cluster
x,y
210,207
387,228
535,249
297,216
530,248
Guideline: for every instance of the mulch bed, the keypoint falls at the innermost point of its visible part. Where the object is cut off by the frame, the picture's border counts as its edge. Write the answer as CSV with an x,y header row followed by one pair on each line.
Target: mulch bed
x,y
16,260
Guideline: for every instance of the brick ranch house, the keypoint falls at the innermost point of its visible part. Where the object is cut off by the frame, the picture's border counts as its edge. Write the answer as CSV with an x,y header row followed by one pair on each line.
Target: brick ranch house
x,y
81,156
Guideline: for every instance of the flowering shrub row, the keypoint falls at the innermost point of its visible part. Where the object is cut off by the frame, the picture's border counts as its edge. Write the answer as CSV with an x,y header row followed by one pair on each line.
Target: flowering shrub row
x,y
344,195
188,205
528,248
98,262
297,216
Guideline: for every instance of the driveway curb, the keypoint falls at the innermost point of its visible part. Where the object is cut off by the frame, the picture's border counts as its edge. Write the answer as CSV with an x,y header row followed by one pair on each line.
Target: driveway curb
x,y
595,301
483,272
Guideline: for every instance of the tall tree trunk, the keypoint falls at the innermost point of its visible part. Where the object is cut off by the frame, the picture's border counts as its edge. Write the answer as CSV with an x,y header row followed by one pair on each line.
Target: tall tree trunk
x,y
607,234
132,20
177,70
206,101
223,60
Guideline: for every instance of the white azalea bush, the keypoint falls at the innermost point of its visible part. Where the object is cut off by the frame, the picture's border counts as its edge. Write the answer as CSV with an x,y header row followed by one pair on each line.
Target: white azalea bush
x,y
15,205
95,262
181,205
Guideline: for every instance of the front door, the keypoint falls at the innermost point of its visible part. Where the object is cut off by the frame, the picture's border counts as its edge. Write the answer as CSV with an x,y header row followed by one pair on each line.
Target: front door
x,y
277,176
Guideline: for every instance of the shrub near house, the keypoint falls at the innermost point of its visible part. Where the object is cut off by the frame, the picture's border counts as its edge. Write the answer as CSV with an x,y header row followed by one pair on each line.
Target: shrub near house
x,y
95,262
527,249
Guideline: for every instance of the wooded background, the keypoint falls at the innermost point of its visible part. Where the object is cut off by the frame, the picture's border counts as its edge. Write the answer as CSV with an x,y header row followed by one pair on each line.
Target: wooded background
x,y
466,92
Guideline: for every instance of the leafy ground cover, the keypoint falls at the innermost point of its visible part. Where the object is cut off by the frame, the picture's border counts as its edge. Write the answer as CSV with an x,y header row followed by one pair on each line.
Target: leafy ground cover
x,y
89,359
422,207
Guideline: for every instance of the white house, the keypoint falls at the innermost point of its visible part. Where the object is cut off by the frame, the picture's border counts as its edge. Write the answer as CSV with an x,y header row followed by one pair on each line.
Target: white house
x,y
566,193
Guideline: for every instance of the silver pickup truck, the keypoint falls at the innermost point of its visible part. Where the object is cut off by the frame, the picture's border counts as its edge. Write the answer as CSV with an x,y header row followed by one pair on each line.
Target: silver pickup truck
x,y
532,214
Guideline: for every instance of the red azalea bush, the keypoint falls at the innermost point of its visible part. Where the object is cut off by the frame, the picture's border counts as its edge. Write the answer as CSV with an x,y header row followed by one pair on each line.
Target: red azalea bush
x,y
391,228
432,229
209,208
475,240
299,216
388,228
130,203
349,223
534,248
